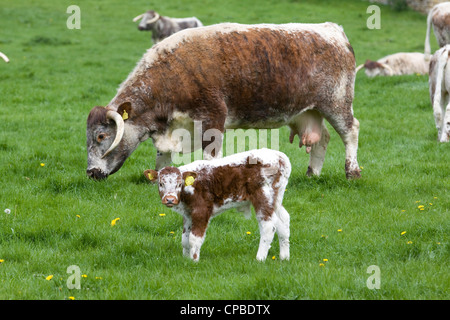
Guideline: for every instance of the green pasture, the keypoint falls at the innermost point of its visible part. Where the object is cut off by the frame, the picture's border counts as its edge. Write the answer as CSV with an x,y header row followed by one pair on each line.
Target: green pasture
x,y
58,217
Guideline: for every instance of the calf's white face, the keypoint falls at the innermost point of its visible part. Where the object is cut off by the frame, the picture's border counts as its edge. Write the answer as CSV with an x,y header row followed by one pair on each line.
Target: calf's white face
x,y
170,183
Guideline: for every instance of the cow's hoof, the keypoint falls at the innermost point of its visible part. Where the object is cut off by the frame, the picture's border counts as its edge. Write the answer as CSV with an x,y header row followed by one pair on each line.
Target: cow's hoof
x,y
353,175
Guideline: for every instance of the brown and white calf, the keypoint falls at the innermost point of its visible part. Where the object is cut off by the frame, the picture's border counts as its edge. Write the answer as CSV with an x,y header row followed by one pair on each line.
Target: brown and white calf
x,y
231,76
163,27
439,18
439,85
203,189
396,64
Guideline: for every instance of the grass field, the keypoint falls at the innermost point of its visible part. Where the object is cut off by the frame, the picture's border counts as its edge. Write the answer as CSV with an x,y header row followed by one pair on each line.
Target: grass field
x,y
58,217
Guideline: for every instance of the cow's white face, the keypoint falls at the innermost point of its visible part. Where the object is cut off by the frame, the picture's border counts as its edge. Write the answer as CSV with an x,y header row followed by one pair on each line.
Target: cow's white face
x,y
170,183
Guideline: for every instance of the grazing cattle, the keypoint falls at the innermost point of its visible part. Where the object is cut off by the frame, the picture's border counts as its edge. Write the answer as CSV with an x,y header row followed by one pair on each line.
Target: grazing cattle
x,y
396,64
439,83
4,57
203,189
162,27
232,76
439,18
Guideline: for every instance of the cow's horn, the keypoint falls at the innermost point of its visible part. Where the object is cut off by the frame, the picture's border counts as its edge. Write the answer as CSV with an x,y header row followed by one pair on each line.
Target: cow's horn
x,y
155,18
138,17
117,118
4,57
384,65
359,68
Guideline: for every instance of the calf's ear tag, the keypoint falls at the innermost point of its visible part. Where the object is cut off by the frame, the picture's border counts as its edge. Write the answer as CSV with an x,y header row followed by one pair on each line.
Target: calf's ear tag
x,y
189,181
124,115
150,176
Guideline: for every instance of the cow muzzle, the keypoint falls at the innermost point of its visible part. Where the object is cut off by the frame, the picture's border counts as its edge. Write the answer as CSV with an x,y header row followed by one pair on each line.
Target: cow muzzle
x,y
170,201
96,174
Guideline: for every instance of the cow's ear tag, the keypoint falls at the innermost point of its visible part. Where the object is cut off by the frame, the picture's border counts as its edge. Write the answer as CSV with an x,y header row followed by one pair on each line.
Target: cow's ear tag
x,y
125,115
150,176
189,181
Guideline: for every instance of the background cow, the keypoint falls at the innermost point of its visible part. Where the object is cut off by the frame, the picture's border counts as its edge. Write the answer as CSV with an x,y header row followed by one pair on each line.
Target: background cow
x,y
232,76
439,17
439,82
396,64
162,27
203,189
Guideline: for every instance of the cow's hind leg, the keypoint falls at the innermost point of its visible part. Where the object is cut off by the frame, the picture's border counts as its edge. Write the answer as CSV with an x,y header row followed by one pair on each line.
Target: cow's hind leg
x,y
347,127
267,231
281,222
445,135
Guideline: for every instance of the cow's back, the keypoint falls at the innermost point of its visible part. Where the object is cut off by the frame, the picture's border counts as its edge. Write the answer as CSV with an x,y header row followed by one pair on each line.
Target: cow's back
x,y
258,71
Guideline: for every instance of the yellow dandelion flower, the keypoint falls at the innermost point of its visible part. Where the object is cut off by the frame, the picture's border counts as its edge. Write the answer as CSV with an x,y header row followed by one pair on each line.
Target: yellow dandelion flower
x,y
42,164
78,216
2,260
50,277
171,232
402,233
114,221
409,242
98,278
430,204
325,260
71,298
421,206
339,230
84,275
321,265
434,197
273,258
438,243
249,233
403,210
162,214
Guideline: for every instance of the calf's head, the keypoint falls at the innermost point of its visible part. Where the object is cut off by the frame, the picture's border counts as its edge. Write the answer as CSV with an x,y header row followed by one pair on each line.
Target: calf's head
x,y
171,181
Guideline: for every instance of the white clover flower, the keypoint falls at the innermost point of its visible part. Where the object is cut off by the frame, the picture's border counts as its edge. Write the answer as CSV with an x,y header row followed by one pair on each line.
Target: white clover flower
x,y
7,211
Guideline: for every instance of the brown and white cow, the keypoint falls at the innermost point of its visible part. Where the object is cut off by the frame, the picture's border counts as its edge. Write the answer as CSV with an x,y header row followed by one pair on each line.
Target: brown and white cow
x,y
439,85
232,76
439,18
4,57
203,189
396,64
162,26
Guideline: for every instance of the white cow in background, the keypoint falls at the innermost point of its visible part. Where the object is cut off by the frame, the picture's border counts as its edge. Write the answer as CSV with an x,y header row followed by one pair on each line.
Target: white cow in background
x,y
439,82
439,17
396,64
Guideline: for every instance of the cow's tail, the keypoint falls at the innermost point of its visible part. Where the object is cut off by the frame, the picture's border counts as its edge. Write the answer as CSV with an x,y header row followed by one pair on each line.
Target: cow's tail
x,y
440,69
427,37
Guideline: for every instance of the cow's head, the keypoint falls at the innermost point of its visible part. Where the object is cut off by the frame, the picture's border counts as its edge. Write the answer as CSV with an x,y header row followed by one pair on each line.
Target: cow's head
x,y
375,68
110,140
147,20
170,183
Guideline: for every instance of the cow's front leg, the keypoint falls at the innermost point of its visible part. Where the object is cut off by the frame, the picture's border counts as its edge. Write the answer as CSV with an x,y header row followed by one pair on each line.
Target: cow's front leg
x,y
198,231
187,225
163,159
445,135
212,141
